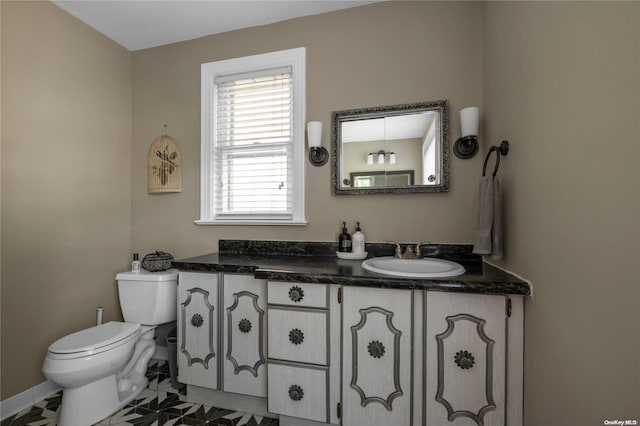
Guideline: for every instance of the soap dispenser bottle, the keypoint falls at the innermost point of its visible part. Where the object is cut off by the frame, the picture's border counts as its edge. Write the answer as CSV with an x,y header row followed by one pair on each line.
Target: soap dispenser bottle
x,y
358,240
344,240
135,265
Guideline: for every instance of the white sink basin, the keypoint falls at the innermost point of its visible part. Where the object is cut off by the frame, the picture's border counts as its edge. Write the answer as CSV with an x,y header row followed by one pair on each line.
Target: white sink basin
x,y
427,267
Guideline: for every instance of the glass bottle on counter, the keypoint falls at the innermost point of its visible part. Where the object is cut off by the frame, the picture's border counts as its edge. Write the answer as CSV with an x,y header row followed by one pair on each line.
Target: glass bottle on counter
x,y
344,240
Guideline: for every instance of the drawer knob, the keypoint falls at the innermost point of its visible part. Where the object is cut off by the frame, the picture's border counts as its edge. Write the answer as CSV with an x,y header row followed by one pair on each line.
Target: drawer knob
x,y
376,349
296,336
295,392
464,360
244,325
196,320
296,294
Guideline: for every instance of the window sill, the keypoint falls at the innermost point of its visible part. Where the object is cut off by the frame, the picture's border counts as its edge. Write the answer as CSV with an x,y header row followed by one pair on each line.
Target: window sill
x,y
251,222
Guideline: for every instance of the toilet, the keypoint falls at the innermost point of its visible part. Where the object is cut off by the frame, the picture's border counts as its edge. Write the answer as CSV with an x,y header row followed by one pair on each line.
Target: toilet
x,y
101,369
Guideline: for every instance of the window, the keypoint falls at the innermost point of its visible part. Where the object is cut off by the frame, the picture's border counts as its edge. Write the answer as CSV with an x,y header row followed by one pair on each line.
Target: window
x,y
252,143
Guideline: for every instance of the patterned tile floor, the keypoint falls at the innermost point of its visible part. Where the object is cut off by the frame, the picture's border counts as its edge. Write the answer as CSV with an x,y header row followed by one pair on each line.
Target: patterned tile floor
x,y
158,405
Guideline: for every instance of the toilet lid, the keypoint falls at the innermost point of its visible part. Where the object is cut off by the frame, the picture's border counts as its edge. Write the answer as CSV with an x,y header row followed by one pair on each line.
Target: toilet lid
x,y
94,338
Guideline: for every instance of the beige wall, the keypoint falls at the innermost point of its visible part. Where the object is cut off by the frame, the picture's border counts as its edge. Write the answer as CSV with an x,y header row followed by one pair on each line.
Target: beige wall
x,y
382,54
66,197
562,83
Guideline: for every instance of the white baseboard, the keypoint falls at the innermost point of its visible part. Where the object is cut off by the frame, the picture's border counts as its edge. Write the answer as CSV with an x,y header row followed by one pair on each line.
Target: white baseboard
x,y
26,399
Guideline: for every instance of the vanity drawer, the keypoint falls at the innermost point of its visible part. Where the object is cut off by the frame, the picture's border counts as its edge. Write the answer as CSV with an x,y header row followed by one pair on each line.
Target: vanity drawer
x,y
298,391
308,295
298,335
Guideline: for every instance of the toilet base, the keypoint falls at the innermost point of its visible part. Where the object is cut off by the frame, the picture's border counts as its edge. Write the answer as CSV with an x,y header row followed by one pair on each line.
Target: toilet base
x,y
90,403
80,407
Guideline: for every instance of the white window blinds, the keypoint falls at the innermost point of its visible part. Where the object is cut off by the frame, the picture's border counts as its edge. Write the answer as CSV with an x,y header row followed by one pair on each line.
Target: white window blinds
x,y
252,145
252,149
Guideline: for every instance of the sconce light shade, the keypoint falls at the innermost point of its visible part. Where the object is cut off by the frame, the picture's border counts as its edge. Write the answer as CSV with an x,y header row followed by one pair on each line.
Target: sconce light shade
x,y
314,134
381,157
467,146
469,118
392,158
318,155
369,159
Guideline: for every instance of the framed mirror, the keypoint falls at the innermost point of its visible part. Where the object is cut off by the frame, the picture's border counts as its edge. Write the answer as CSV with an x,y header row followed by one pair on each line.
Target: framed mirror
x,y
391,149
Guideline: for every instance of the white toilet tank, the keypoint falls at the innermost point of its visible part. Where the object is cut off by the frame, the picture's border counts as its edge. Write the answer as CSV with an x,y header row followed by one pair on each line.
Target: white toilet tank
x,y
148,297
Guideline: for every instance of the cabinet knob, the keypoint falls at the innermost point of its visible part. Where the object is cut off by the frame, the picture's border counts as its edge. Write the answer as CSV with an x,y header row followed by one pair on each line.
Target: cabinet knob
x,y
296,336
296,393
196,320
296,294
244,325
376,349
464,360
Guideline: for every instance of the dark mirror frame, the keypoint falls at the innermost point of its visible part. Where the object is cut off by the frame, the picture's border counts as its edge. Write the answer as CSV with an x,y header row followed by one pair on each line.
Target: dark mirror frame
x,y
337,117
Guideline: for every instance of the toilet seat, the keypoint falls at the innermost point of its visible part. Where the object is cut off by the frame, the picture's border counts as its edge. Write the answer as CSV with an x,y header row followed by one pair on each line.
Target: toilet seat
x,y
94,340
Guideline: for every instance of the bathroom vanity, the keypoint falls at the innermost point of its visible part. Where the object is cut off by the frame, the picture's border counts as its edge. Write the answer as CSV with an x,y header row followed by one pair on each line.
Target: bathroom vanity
x,y
302,335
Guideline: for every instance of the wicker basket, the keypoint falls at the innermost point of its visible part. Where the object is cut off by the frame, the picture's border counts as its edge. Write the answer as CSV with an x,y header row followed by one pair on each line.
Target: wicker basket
x,y
158,261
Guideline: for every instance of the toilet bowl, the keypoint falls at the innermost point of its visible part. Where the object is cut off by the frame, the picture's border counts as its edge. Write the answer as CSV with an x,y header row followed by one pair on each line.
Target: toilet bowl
x,y
101,369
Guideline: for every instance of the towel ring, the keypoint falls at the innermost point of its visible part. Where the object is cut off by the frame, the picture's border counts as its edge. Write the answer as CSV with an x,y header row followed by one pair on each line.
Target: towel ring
x,y
502,149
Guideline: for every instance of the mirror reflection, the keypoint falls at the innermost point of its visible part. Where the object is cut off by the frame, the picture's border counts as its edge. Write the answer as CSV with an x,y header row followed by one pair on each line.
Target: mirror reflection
x,y
398,148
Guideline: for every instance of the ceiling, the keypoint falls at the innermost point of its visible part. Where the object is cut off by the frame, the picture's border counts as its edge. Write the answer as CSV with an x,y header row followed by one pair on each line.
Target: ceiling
x,y
405,126
142,24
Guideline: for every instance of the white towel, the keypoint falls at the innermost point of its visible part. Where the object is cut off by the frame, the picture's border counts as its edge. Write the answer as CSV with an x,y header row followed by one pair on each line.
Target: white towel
x,y
489,231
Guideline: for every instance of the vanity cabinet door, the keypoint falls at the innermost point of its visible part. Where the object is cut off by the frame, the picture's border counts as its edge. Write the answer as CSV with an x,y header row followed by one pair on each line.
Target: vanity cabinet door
x,y
245,343
465,359
376,364
198,329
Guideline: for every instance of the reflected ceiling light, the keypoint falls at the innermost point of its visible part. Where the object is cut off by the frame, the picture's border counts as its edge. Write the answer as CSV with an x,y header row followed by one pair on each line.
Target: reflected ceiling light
x,y
381,157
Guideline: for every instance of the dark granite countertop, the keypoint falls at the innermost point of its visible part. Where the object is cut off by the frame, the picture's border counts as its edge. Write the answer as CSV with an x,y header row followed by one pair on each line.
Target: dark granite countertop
x,y
317,263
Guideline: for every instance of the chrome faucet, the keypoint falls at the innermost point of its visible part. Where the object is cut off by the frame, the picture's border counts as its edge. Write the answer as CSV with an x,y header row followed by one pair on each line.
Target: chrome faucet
x,y
409,251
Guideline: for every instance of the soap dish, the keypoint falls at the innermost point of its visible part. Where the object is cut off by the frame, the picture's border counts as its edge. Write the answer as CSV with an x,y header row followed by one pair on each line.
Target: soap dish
x,y
351,256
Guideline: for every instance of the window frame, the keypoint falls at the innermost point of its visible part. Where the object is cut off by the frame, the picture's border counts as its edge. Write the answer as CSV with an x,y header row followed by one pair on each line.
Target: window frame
x,y
295,58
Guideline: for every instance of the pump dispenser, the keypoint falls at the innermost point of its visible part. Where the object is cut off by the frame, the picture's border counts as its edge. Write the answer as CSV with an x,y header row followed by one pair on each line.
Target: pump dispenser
x,y
344,240
135,265
358,240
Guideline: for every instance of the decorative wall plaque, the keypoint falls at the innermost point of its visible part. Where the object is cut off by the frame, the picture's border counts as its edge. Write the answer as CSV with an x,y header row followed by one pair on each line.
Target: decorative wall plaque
x,y
164,165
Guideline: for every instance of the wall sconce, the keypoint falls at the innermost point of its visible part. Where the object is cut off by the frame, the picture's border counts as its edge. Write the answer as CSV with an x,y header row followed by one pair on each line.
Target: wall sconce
x,y
381,157
318,155
467,146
